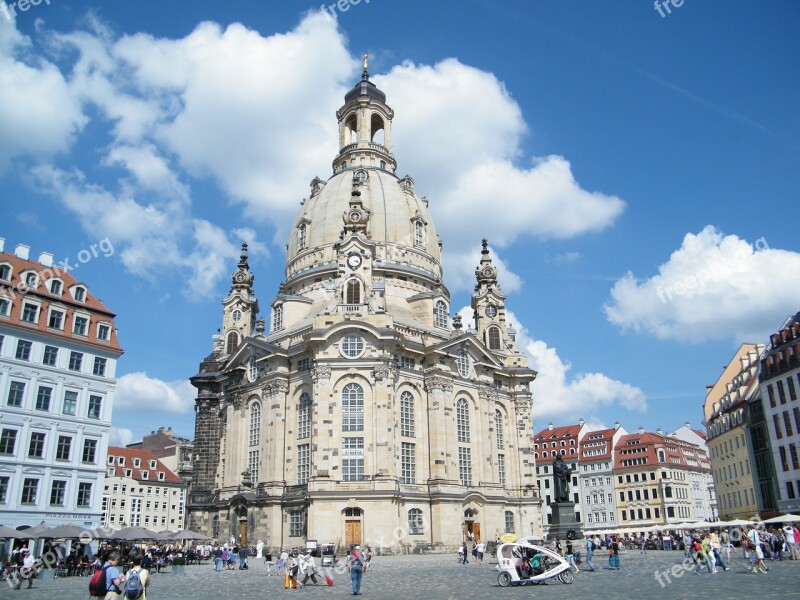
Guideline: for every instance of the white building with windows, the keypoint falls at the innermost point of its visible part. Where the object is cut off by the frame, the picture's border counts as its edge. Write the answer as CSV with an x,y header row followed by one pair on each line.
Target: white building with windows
x,y
140,491
364,415
58,354
596,477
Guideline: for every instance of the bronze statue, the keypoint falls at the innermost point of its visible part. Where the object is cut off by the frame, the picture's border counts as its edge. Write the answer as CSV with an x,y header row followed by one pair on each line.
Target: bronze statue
x,y
561,476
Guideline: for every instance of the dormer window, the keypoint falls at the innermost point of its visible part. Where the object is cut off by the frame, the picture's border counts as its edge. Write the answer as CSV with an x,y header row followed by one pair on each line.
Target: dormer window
x,y
145,475
5,272
121,461
152,464
160,476
128,473
56,287
419,234
5,306
136,462
31,280
110,460
79,293
103,332
80,325
30,312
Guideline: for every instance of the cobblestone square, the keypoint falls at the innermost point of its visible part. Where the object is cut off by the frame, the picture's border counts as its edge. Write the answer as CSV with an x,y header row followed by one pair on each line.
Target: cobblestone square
x,y
439,576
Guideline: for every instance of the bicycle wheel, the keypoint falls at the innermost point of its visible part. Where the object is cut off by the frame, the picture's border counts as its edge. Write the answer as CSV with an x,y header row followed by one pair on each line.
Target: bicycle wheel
x,y
504,579
566,576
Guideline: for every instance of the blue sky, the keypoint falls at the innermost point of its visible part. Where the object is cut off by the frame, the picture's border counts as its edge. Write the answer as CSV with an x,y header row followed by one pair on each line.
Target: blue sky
x,y
636,175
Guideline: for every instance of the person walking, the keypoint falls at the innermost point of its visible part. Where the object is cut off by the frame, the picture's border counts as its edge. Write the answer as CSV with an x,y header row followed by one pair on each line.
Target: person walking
x,y
242,558
570,556
481,548
138,579
465,554
268,560
355,564
589,554
114,579
217,559
791,541
284,558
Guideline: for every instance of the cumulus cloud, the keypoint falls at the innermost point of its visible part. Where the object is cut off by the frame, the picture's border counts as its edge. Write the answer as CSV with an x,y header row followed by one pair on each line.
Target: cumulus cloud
x,y
560,395
137,391
714,286
120,436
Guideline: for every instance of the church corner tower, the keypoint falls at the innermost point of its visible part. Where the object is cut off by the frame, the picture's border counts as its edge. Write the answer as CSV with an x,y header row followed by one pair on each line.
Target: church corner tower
x,y
356,411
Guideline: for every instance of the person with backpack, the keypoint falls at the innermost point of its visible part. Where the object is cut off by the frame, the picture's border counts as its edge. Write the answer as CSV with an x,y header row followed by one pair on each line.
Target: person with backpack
x,y
590,553
137,581
107,581
355,564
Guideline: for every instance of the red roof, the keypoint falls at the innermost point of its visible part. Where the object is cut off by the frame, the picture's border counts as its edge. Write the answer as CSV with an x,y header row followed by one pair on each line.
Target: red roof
x,y
675,453
558,433
16,290
597,440
129,454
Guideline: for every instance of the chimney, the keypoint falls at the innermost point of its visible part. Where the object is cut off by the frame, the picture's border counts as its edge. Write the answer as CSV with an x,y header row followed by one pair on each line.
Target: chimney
x,y
616,425
46,259
581,422
2,244
22,251
660,431
550,426
641,430
687,424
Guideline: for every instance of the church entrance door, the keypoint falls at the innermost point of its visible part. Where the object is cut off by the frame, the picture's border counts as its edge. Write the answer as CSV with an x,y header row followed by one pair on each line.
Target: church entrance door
x,y
352,532
472,531
243,533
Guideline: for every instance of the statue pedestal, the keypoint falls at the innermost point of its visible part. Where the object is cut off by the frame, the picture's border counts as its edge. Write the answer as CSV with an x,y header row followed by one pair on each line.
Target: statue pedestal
x,y
564,521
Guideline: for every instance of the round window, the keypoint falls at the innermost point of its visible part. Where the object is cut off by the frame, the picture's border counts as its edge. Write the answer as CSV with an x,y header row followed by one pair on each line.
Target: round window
x,y
352,346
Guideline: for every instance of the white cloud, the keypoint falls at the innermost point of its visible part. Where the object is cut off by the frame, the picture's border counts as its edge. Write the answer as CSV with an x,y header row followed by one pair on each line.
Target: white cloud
x,y
713,287
137,391
561,396
120,436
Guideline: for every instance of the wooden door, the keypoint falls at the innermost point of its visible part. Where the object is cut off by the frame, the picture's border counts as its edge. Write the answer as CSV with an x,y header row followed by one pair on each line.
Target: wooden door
x,y
243,533
476,530
352,532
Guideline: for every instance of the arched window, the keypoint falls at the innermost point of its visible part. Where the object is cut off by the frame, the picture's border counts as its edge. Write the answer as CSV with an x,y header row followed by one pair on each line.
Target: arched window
x,y
353,407
255,424
233,342
493,333
277,317
419,233
440,314
416,526
462,363
498,426
407,414
509,522
304,417
302,233
462,420
377,130
353,292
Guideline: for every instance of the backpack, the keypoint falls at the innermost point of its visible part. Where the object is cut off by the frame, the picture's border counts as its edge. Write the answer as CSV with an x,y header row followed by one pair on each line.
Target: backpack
x,y
97,584
133,586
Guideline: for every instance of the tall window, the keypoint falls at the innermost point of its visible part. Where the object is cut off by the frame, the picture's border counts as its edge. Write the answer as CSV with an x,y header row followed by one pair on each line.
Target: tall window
x,y
352,408
302,233
5,272
304,417
416,526
297,523
4,489
462,420
55,287
419,233
8,441
501,469
5,306
57,493
408,463
303,463
56,319
509,522
95,404
50,356
353,291
75,360
440,314
494,338
277,320
70,402
89,451
36,447
465,466
84,494
254,464
99,368
30,312
23,350
15,393
407,414
64,447
255,424
233,342
462,363
498,428
352,459
30,489
80,326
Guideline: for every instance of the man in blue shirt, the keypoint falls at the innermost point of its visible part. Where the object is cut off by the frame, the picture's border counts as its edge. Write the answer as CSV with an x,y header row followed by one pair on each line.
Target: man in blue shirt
x,y
114,579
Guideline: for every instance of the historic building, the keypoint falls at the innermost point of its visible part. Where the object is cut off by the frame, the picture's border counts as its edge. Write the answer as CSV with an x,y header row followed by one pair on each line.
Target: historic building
x,y
729,443
58,354
141,491
364,415
596,477
779,380
547,444
173,451
702,492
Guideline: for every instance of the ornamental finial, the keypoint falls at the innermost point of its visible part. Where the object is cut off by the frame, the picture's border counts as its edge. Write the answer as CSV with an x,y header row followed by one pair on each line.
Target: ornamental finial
x,y
365,72
485,244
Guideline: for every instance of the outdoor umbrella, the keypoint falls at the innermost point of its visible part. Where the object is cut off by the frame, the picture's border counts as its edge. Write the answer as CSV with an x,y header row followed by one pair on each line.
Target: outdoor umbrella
x,y
790,518
188,534
67,532
34,533
7,532
135,533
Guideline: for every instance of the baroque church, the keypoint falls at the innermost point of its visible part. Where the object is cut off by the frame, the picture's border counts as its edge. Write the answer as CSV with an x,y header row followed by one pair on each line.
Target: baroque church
x,y
366,414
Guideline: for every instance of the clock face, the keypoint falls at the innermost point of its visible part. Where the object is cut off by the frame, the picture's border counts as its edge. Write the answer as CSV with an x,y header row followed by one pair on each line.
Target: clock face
x,y
354,260
491,311
487,272
240,277
355,216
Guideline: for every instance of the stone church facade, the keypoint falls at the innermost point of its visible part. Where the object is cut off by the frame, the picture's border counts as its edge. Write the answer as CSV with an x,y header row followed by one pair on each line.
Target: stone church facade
x,y
366,414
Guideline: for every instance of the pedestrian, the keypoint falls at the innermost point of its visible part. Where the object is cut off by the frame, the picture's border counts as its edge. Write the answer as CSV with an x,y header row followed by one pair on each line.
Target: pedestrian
x,y
268,560
590,553
114,579
464,553
570,556
138,578
474,554
307,568
242,558
355,564
791,541
292,567
368,564
461,554
716,550
614,555
27,569
481,548
217,558
282,561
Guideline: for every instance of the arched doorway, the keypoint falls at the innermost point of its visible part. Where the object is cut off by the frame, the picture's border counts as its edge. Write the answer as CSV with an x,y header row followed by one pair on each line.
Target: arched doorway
x,y
240,511
472,528
353,520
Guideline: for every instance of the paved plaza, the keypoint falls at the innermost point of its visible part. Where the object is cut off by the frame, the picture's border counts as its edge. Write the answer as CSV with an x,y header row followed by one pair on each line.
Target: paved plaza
x,y
438,576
